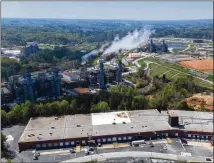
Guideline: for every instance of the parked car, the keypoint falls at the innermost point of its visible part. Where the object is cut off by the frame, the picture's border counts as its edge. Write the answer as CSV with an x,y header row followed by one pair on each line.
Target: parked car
x,y
151,144
87,151
184,142
91,149
72,150
35,157
99,145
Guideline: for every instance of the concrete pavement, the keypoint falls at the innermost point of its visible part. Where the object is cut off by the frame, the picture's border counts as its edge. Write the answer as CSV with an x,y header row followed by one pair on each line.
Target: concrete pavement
x,y
136,154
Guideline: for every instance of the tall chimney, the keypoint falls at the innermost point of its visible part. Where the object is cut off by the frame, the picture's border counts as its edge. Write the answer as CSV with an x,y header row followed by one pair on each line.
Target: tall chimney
x,y
29,86
102,73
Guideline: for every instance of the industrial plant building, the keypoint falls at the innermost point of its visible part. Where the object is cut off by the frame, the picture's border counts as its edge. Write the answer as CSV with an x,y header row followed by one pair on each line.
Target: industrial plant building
x,y
30,49
44,85
121,126
157,47
32,86
6,94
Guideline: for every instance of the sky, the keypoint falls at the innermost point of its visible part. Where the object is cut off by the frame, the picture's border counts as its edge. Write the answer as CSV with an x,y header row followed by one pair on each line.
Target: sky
x,y
108,10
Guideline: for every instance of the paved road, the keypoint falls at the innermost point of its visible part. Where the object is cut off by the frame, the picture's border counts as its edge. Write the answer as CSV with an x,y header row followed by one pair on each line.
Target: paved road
x,y
136,154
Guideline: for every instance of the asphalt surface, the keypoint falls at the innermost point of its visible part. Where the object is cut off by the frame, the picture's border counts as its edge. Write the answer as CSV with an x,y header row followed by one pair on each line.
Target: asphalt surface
x,y
174,148
15,132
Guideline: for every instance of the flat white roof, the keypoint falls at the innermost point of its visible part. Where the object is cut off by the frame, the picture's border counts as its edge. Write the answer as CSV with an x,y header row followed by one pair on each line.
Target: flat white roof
x,y
109,118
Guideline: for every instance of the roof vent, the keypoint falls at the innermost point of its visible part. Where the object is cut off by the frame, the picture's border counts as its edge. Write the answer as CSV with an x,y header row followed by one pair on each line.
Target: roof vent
x,y
78,125
52,127
132,127
124,122
114,123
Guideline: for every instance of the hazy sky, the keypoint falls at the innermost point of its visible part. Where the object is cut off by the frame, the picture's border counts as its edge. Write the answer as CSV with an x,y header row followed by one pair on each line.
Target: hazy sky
x,y
109,10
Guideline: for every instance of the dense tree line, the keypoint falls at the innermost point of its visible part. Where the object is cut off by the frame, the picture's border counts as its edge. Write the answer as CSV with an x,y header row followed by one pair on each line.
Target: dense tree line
x,y
168,95
57,57
185,32
50,56
19,35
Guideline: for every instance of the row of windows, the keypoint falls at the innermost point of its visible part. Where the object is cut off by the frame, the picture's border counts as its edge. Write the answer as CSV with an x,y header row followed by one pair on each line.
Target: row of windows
x,y
108,140
83,142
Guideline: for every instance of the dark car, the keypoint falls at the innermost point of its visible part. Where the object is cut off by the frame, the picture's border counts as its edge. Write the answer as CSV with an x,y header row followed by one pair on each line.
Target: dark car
x,y
208,159
151,144
184,141
99,145
91,149
72,150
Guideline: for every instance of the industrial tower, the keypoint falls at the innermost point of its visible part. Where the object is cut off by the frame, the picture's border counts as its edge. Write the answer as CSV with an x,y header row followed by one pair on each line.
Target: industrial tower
x,y
101,75
164,48
56,82
29,87
119,71
151,46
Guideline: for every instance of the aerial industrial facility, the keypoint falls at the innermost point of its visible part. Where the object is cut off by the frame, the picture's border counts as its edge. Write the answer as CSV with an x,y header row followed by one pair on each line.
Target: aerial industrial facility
x,y
30,87
53,84
121,126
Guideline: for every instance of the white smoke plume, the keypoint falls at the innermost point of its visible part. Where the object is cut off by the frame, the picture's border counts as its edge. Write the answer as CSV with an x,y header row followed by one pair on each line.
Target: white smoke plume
x,y
130,41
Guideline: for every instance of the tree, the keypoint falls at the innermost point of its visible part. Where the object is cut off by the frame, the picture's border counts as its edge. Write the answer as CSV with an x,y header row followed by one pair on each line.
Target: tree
x,y
4,118
15,115
73,106
102,106
155,103
64,106
55,107
26,110
3,147
139,103
184,106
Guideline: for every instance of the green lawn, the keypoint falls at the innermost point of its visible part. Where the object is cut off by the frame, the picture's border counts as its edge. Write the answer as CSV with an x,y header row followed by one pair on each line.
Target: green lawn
x,y
95,61
158,71
206,85
180,71
152,65
171,74
210,77
46,46
142,63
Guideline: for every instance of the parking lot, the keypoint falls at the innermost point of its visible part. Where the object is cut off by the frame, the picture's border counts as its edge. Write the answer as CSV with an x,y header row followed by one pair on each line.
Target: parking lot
x,y
160,146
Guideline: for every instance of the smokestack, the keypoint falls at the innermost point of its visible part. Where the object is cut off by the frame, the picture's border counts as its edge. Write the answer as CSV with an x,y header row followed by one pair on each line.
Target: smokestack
x,y
164,47
151,46
119,71
102,73
29,86
56,83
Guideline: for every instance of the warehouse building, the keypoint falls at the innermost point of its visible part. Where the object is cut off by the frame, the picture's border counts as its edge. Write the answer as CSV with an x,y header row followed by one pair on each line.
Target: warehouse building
x,y
121,126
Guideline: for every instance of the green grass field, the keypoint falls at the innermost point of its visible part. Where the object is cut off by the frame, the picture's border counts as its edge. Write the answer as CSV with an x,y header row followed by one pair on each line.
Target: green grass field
x,y
171,74
158,70
152,65
167,68
46,46
142,63
95,61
